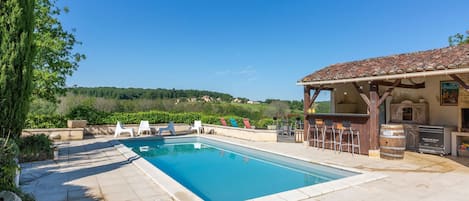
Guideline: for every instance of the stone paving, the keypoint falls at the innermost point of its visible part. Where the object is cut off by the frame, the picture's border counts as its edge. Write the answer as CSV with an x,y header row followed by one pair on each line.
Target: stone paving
x,y
88,170
417,177
93,170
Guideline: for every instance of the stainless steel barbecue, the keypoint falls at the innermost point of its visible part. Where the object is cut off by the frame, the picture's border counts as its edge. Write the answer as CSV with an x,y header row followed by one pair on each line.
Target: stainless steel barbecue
x,y
435,139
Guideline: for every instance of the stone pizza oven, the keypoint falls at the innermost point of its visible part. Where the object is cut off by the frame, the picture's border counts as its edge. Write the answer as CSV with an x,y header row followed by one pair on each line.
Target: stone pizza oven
x,y
410,115
409,112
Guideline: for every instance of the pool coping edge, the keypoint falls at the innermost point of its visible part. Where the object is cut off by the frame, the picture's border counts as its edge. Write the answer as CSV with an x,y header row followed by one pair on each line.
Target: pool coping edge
x,y
313,190
168,184
175,189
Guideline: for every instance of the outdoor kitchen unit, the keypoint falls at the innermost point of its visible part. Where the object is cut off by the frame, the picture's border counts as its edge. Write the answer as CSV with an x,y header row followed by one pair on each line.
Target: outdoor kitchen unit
x,y
435,139
410,115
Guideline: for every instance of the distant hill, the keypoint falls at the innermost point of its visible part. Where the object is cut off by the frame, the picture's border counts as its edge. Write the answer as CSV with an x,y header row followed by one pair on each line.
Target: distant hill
x,y
139,93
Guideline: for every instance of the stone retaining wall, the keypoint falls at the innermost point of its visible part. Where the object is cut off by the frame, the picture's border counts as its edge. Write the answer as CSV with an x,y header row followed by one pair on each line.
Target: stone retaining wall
x,y
260,135
57,133
109,129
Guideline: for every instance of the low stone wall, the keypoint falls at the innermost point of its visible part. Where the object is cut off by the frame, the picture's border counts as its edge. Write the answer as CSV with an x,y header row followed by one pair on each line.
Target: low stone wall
x,y
109,129
57,133
77,133
260,135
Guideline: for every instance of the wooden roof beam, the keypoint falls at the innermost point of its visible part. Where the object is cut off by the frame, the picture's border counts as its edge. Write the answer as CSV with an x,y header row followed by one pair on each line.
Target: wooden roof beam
x,y
315,95
409,86
460,81
389,91
362,94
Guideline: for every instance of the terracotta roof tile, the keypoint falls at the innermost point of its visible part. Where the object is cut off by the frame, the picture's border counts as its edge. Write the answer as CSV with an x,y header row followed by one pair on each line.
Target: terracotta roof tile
x,y
430,60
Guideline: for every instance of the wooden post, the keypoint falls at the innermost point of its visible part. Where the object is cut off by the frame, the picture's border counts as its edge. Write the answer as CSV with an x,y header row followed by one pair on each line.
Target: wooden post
x,y
374,119
306,105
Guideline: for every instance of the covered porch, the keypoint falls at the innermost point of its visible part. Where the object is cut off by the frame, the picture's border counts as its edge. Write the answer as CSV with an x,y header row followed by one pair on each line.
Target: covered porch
x,y
427,88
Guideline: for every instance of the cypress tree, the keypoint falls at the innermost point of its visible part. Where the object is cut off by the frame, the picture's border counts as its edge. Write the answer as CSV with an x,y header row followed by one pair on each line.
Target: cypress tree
x,y
16,56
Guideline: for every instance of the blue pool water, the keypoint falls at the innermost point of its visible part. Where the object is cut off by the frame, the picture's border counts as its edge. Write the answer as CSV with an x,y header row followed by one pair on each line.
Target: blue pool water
x,y
221,171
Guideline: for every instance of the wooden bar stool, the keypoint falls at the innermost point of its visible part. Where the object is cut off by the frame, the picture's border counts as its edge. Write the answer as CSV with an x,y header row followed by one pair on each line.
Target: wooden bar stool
x,y
353,144
339,129
320,128
313,140
329,131
346,132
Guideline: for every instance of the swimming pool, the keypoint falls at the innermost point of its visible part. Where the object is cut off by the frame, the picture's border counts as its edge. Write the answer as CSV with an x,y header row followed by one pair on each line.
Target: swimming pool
x,y
220,171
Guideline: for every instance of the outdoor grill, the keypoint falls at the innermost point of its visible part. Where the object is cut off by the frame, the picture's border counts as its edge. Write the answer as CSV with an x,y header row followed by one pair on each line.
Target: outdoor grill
x,y
435,139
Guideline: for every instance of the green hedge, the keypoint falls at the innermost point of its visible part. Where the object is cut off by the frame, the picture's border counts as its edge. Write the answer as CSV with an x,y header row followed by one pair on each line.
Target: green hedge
x,y
154,117
46,121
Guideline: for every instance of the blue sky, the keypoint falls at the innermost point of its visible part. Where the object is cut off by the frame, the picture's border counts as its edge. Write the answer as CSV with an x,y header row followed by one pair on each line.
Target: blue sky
x,y
256,49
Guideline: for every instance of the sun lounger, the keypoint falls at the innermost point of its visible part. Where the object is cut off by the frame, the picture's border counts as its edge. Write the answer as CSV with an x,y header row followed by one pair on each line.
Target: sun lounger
x,y
120,129
222,121
233,122
197,126
144,126
246,123
170,128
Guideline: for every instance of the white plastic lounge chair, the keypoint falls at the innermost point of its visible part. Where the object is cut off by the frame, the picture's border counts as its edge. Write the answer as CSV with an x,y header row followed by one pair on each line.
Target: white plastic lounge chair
x,y
170,128
120,129
144,126
197,126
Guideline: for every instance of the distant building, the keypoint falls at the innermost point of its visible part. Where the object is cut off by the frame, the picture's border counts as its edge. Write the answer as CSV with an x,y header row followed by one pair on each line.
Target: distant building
x,y
207,99
253,102
237,100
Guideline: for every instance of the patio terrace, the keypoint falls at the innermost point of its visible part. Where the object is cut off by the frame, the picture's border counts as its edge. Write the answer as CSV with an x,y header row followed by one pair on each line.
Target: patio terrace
x,y
92,169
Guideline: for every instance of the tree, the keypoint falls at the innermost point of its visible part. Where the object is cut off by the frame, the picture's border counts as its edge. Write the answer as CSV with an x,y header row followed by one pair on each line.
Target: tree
x,y
279,109
16,56
55,59
459,39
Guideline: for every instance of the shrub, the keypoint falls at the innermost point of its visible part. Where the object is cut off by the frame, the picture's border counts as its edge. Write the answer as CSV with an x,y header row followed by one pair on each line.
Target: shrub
x,y
8,165
206,119
85,112
46,121
8,153
95,117
263,123
152,116
35,147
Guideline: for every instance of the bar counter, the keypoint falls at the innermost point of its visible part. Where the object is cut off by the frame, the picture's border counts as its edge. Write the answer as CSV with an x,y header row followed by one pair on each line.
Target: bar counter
x,y
340,115
359,122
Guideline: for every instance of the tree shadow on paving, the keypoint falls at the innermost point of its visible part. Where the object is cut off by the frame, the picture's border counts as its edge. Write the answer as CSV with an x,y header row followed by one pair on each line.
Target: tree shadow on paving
x,y
51,184
69,193
85,147
66,192
50,180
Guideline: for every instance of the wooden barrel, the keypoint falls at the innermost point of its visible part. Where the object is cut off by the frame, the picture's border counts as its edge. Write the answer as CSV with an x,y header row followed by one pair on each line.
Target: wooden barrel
x,y
392,141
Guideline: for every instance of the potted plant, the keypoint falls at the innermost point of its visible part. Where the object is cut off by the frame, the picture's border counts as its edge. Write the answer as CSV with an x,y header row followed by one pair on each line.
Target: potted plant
x,y
273,126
